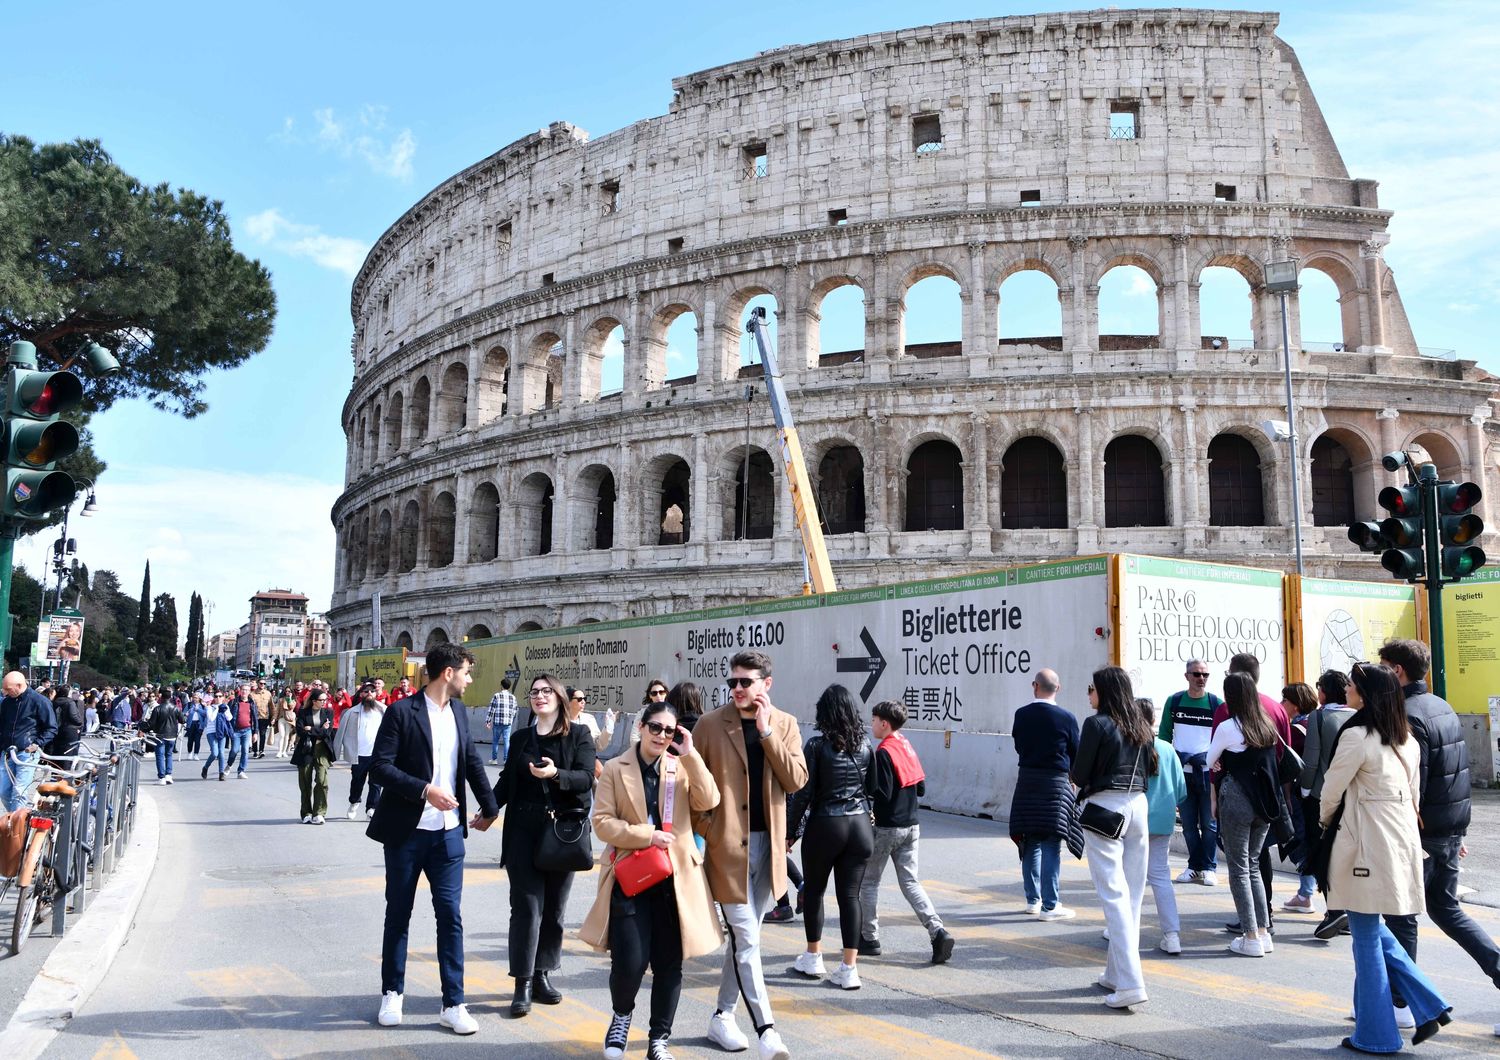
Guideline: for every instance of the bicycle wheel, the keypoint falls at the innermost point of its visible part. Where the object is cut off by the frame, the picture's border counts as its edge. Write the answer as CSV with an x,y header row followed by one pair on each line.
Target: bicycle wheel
x,y
26,908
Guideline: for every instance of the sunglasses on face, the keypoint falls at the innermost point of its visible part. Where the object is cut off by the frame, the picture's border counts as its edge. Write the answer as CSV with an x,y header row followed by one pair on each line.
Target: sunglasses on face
x,y
656,728
741,682
1197,673
657,692
1091,688
580,699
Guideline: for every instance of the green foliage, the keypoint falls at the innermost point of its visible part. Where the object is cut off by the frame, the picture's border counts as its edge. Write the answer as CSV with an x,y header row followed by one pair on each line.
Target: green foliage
x,y
88,253
26,605
143,613
192,649
161,637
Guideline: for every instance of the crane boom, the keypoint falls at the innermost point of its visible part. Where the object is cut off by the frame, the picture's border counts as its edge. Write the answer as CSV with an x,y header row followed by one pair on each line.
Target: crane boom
x,y
804,504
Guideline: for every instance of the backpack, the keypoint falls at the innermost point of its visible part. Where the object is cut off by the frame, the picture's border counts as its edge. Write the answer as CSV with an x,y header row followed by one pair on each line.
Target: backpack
x,y
244,714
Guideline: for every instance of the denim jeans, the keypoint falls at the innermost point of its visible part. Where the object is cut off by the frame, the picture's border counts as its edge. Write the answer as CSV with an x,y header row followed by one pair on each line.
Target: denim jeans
x,y
1198,827
12,790
166,751
215,753
1380,964
500,743
898,845
1041,858
1244,839
239,747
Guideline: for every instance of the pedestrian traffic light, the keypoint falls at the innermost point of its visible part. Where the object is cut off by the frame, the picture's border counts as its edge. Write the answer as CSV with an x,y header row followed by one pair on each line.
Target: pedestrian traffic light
x,y
1402,531
1458,528
34,436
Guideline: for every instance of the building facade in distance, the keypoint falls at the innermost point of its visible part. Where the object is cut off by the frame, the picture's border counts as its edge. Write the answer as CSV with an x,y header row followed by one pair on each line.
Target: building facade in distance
x,y
548,422
277,629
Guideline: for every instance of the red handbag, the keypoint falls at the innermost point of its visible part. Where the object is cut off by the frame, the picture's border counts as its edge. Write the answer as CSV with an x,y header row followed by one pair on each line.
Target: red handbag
x,y
640,870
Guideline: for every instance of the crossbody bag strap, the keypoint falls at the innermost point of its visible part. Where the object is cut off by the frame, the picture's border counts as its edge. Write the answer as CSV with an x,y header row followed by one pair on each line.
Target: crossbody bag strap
x,y
669,797
536,753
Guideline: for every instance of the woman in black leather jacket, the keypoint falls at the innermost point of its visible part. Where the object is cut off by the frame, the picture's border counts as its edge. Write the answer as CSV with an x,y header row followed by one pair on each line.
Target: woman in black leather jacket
x,y
835,806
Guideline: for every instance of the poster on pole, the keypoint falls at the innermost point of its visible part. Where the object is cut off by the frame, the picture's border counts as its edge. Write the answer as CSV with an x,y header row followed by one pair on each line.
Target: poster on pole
x,y
1346,622
1173,610
1471,641
64,636
388,664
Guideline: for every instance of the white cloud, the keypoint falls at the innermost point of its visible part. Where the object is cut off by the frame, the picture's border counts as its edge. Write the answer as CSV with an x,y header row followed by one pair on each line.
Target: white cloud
x,y
367,136
224,536
339,253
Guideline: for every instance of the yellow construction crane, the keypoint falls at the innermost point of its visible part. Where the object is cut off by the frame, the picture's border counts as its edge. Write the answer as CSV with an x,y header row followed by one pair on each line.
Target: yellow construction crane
x,y
817,571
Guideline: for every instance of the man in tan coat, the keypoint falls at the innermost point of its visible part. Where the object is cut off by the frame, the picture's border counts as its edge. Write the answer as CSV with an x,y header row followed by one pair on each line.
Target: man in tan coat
x,y
754,752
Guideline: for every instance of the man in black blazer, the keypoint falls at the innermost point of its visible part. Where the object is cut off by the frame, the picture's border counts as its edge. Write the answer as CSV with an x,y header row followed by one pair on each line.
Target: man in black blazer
x,y
423,753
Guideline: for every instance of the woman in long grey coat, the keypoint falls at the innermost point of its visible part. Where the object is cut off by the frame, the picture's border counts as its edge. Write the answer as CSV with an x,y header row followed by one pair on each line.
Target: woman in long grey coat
x,y
1375,866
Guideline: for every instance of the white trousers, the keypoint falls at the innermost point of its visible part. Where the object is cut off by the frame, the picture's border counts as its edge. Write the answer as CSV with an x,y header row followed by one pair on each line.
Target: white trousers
x,y
1159,876
1118,869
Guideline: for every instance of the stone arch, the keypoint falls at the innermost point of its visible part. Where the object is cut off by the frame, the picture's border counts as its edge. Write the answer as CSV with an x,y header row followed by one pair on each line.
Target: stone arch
x,y
442,526
1331,478
934,485
839,486
1135,482
394,413
1125,287
931,314
421,411
380,562
667,501
406,537
594,500
603,363
671,354
437,635
1442,450
1344,275
738,350
372,442
493,384
1033,485
484,523
453,399
403,639
1236,484
542,382
478,631
1222,276
1035,318
534,510
749,505
836,320
529,626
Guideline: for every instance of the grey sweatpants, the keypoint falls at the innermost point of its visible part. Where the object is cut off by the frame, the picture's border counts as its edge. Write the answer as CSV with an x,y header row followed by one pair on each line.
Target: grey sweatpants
x,y
742,972
898,845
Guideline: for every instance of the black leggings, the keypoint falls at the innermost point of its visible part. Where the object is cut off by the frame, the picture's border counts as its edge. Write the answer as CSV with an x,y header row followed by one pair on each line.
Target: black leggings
x,y
645,930
841,846
794,877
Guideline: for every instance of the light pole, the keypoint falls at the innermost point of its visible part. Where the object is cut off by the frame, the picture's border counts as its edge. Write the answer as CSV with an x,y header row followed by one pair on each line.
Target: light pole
x,y
1281,279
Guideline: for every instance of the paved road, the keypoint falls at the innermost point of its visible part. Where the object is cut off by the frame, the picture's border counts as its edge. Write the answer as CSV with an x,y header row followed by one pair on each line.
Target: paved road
x,y
261,936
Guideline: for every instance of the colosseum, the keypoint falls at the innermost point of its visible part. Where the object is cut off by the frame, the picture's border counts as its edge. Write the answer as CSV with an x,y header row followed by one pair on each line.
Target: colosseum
x,y
556,418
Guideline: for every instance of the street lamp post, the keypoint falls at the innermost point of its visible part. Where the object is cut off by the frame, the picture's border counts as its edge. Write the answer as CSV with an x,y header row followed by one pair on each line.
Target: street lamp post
x,y
1281,279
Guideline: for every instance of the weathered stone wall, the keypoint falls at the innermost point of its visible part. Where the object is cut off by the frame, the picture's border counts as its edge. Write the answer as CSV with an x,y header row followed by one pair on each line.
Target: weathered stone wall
x,y
476,413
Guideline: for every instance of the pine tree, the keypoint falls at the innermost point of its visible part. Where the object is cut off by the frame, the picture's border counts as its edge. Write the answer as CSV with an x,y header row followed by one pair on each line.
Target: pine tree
x,y
143,616
192,649
162,635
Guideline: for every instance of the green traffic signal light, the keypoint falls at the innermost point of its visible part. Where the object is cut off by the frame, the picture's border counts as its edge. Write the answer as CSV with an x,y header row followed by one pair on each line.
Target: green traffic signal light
x,y
1405,563
1462,562
1458,527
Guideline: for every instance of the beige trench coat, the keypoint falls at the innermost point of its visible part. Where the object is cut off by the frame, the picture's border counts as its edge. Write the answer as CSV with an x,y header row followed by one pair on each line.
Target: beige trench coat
x,y
1376,864
720,739
620,820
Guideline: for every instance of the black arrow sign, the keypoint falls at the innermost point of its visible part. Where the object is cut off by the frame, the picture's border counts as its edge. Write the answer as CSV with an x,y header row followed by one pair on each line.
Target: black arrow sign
x,y
873,664
513,671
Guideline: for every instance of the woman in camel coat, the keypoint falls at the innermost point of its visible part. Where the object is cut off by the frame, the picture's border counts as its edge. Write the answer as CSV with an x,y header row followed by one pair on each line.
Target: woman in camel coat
x,y
1375,866
674,919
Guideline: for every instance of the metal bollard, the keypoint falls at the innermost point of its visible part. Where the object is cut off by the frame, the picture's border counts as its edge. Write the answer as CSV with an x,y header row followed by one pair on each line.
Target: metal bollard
x,y
80,851
62,852
102,790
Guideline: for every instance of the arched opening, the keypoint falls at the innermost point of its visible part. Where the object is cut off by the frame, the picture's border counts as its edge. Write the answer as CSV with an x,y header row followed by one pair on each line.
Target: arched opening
x,y
453,399
1327,312
592,499
494,385
403,639
1442,453
529,627
841,325
935,487
1033,486
932,318
441,526
534,512
393,415
1236,492
749,351
674,508
753,515
1030,310
478,631
411,522
359,643
372,444
604,512
682,348
1226,310
1332,483
1135,490
1130,310
841,490
436,637
380,562
553,367
484,523
421,411
603,359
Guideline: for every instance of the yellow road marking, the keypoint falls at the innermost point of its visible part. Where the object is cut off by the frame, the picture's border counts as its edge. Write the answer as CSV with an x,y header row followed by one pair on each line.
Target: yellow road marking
x,y
115,1049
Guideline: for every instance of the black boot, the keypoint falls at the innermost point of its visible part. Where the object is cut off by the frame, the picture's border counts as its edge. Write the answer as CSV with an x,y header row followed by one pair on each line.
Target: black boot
x,y
520,1005
544,991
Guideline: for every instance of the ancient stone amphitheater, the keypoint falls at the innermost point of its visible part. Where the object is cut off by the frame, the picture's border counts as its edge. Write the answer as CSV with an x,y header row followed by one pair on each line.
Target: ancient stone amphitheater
x,y
555,418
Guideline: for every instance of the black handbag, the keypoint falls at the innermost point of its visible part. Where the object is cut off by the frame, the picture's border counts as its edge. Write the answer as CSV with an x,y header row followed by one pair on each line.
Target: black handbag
x,y
1319,858
567,843
1289,765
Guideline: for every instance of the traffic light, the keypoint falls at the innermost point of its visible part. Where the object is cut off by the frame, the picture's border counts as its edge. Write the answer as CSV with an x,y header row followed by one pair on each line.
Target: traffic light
x,y
1458,528
1402,531
35,438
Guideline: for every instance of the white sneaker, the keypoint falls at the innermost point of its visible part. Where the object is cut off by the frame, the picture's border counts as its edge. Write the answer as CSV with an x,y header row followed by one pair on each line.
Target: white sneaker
x,y
1187,876
318,819
369,812
809,964
353,809
1208,878
459,1019
1268,945
772,1047
1171,942
1033,908
1104,934
1404,1018
169,779
1125,998
390,1009
1057,912
724,1033
1247,947
307,819
845,976
162,782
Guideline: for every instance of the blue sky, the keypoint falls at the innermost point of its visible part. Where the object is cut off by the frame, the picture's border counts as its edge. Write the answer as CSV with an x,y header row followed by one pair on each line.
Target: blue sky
x,y
318,124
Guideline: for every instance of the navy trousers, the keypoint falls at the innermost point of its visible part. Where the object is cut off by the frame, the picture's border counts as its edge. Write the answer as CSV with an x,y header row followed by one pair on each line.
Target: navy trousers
x,y
440,855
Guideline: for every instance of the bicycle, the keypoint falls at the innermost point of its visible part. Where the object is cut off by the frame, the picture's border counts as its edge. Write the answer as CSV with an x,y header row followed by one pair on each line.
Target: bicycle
x,y
41,878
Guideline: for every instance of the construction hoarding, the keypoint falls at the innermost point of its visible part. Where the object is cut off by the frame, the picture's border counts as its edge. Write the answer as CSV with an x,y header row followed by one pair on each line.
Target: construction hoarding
x,y
1343,623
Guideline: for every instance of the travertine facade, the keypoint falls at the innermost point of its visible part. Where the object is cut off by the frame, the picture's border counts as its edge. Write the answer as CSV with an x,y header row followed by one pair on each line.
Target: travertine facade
x,y
1069,144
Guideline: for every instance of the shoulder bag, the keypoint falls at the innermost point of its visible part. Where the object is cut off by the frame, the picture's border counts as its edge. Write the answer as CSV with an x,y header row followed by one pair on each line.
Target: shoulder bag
x,y
640,870
1320,856
1289,766
567,843
1105,822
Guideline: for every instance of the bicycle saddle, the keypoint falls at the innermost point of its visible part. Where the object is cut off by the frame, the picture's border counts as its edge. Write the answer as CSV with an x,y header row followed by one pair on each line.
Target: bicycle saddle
x,y
57,787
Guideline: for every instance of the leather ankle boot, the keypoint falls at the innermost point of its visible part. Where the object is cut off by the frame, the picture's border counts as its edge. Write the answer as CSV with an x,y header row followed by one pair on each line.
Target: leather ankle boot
x,y
520,1005
544,991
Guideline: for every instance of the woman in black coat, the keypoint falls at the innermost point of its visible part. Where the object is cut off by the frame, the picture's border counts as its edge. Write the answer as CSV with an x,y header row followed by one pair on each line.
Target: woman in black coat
x,y
313,754
550,770
70,726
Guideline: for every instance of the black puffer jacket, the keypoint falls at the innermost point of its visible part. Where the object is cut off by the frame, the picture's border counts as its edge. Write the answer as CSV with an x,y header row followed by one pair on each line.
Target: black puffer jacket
x,y
839,783
1444,765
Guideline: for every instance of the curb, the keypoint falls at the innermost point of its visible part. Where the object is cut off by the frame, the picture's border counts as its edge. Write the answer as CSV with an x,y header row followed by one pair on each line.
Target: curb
x,y
78,963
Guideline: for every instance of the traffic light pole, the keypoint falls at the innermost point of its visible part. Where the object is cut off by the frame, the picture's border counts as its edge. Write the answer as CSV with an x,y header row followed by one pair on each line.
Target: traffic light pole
x,y
7,555
1427,482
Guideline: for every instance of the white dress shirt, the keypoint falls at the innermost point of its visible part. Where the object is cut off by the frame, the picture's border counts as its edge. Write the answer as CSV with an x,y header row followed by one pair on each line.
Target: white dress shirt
x,y
444,765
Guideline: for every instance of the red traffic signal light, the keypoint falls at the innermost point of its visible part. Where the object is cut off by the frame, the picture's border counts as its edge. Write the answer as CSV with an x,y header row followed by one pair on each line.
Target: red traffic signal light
x,y
1401,501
